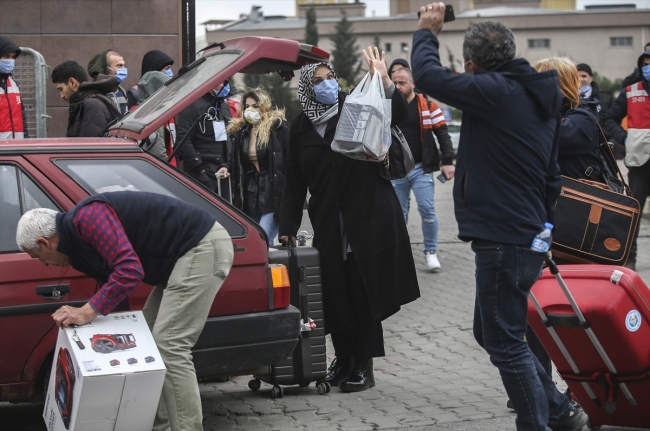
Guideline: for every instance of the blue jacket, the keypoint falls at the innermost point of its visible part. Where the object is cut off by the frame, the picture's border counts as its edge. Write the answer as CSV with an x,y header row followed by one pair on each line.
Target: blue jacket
x,y
507,175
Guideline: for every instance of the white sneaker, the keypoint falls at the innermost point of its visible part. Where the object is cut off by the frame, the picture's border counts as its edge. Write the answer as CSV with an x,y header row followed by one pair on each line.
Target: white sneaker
x,y
432,260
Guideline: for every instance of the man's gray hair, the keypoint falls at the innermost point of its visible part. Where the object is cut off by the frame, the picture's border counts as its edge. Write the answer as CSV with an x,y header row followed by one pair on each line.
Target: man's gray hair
x,y
488,44
39,222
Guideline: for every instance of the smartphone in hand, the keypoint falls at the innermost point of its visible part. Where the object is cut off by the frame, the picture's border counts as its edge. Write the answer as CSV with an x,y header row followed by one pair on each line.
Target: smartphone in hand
x,y
442,178
449,14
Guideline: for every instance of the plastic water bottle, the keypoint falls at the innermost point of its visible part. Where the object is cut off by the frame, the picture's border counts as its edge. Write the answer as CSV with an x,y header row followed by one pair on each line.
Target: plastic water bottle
x,y
542,240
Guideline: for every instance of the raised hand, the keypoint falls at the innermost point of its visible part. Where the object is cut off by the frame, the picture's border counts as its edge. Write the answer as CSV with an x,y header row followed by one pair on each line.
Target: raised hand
x,y
377,63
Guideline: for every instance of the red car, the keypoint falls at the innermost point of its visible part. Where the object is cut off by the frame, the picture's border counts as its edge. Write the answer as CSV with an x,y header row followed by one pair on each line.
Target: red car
x,y
64,385
107,343
250,324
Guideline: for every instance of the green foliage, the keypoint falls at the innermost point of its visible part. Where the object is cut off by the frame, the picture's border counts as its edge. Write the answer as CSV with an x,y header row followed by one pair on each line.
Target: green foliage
x,y
311,30
450,57
607,84
281,94
346,52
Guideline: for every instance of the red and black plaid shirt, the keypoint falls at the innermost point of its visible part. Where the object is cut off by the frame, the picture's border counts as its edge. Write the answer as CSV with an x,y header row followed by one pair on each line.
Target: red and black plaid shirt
x,y
98,225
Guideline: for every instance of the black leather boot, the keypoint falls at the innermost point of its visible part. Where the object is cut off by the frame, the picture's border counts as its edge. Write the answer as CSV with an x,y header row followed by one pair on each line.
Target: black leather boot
x,y
361,377
338,371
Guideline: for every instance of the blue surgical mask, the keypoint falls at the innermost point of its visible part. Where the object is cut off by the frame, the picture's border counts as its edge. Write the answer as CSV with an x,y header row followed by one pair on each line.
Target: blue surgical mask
x,y
327,92
169,73
121,74
7,65
224,91
585,89
646,72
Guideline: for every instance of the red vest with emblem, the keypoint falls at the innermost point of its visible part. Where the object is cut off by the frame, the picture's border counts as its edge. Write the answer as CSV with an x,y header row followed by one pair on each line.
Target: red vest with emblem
x,y
637,145
638,107
11,113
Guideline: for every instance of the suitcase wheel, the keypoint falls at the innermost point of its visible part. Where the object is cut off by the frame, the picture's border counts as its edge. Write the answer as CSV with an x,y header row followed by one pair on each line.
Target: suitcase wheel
x,y
277,392
323,388
592,426
254,385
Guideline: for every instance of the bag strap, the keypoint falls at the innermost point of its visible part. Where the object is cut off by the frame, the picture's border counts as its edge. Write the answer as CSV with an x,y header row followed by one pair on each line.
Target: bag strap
x,y
588,169
609,155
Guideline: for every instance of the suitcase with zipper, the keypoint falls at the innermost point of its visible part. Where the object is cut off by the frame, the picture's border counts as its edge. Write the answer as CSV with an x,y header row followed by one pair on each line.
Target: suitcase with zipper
x,y
595,327
308,362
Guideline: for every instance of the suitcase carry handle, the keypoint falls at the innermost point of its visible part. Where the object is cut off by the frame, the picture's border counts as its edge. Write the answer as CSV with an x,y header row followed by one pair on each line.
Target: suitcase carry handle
x,y
610,406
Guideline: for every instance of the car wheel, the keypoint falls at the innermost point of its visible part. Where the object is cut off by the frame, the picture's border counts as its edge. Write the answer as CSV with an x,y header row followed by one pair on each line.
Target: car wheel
x,y
103,346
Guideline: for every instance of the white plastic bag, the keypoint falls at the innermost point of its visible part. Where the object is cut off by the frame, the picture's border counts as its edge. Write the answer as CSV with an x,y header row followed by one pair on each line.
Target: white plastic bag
x,y
363,130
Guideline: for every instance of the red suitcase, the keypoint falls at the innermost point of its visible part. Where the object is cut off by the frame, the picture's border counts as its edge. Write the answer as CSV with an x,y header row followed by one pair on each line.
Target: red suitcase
x,y
596,329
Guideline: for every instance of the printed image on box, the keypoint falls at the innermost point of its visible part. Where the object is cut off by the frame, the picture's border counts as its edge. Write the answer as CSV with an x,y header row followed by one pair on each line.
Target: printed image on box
x,y
106,375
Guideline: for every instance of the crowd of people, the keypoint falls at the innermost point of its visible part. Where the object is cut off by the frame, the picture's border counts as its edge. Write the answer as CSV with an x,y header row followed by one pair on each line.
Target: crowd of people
x,y
523,126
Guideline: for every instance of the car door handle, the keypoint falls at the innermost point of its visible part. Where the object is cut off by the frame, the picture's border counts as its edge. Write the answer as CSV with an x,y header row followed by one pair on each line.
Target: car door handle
x,y
53,291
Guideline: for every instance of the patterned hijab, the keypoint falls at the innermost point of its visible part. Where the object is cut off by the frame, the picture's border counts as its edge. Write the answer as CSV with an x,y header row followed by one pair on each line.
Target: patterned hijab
x,y
312,107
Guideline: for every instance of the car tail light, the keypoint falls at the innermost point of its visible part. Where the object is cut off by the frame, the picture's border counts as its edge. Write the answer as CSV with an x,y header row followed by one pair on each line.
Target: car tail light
x,y
281,286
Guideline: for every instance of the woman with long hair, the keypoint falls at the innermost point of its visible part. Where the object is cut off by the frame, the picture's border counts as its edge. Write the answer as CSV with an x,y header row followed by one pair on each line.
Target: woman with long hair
x,y
366,258
259,141
579,135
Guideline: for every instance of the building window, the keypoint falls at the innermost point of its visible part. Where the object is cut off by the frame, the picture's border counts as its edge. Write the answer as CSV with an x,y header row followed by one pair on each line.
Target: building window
x,y
539,43
405,47
388,47
616,42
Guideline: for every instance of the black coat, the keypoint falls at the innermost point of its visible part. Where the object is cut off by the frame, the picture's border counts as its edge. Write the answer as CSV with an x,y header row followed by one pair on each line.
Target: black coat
x,y
349,191
201,145
579,139
269,182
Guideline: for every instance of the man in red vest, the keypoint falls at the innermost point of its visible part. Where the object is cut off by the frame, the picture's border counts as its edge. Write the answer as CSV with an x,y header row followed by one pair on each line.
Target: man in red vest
x,y
634,102
12,114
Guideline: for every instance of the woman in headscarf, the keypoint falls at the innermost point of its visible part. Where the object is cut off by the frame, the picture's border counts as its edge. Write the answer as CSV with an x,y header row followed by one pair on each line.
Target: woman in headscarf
x,y
366,259
259,138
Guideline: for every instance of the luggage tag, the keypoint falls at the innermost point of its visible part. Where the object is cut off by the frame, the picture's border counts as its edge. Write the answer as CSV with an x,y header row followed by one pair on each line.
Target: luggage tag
x,y
309,326
219,131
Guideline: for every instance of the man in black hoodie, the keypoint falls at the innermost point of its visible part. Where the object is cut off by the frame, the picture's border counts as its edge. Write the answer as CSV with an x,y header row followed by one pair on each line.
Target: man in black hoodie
x,y
153,61
507,182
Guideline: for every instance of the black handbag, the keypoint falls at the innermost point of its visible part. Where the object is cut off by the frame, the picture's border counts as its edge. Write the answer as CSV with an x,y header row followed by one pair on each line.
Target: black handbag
x,y
399,161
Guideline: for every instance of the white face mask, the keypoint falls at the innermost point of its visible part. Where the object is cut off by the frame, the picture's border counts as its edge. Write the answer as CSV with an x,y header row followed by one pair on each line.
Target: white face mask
x,y
252,116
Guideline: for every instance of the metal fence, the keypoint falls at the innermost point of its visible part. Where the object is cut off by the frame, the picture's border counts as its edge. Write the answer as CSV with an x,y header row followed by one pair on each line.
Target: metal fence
x,y
31,74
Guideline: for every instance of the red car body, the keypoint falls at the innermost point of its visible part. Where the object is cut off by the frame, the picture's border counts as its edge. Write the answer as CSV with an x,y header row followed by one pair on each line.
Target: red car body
x,y
250,324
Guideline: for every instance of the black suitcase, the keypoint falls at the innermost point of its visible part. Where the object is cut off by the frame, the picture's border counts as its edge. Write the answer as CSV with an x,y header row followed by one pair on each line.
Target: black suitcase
x,y
308,362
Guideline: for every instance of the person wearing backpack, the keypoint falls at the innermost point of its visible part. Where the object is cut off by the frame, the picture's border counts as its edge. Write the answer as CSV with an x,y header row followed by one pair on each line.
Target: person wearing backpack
x,y
91,110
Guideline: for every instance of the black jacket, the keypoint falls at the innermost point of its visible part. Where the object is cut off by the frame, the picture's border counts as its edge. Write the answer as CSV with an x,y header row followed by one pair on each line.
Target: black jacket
x,y
507,177
430,154
91,110
351,192
261,191
200,145
603,97
578,143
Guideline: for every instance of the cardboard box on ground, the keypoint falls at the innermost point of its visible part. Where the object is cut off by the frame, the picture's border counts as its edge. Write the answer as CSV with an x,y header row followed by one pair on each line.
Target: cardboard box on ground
x,y
106,375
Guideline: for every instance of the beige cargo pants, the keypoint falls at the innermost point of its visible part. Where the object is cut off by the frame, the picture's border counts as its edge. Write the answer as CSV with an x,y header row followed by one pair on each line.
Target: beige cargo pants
x,y
176,314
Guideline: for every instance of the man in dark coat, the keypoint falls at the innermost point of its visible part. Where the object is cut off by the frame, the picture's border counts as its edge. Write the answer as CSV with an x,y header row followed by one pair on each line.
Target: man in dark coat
x,y
90,110
203,152
590,89
505,190
153,61
359,230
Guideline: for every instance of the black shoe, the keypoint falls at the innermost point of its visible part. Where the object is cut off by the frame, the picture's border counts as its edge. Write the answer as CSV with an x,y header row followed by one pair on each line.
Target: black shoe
x,y
361,377
338,371
573,420
509,405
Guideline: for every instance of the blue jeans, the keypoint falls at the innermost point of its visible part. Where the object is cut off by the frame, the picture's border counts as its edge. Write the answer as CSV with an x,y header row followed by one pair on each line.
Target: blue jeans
x,y
270,226
504,276
423,189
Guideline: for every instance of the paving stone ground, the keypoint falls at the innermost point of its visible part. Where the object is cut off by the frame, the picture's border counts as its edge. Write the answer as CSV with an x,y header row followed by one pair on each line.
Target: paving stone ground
x,y
434,376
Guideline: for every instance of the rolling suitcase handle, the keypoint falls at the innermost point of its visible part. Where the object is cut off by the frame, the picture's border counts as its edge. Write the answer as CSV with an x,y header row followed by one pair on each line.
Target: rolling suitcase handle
x,y
219,178
609,406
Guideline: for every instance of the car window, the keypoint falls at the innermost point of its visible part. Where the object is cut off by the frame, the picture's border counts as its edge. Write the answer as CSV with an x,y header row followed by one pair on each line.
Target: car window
x,y
17,197
99,176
